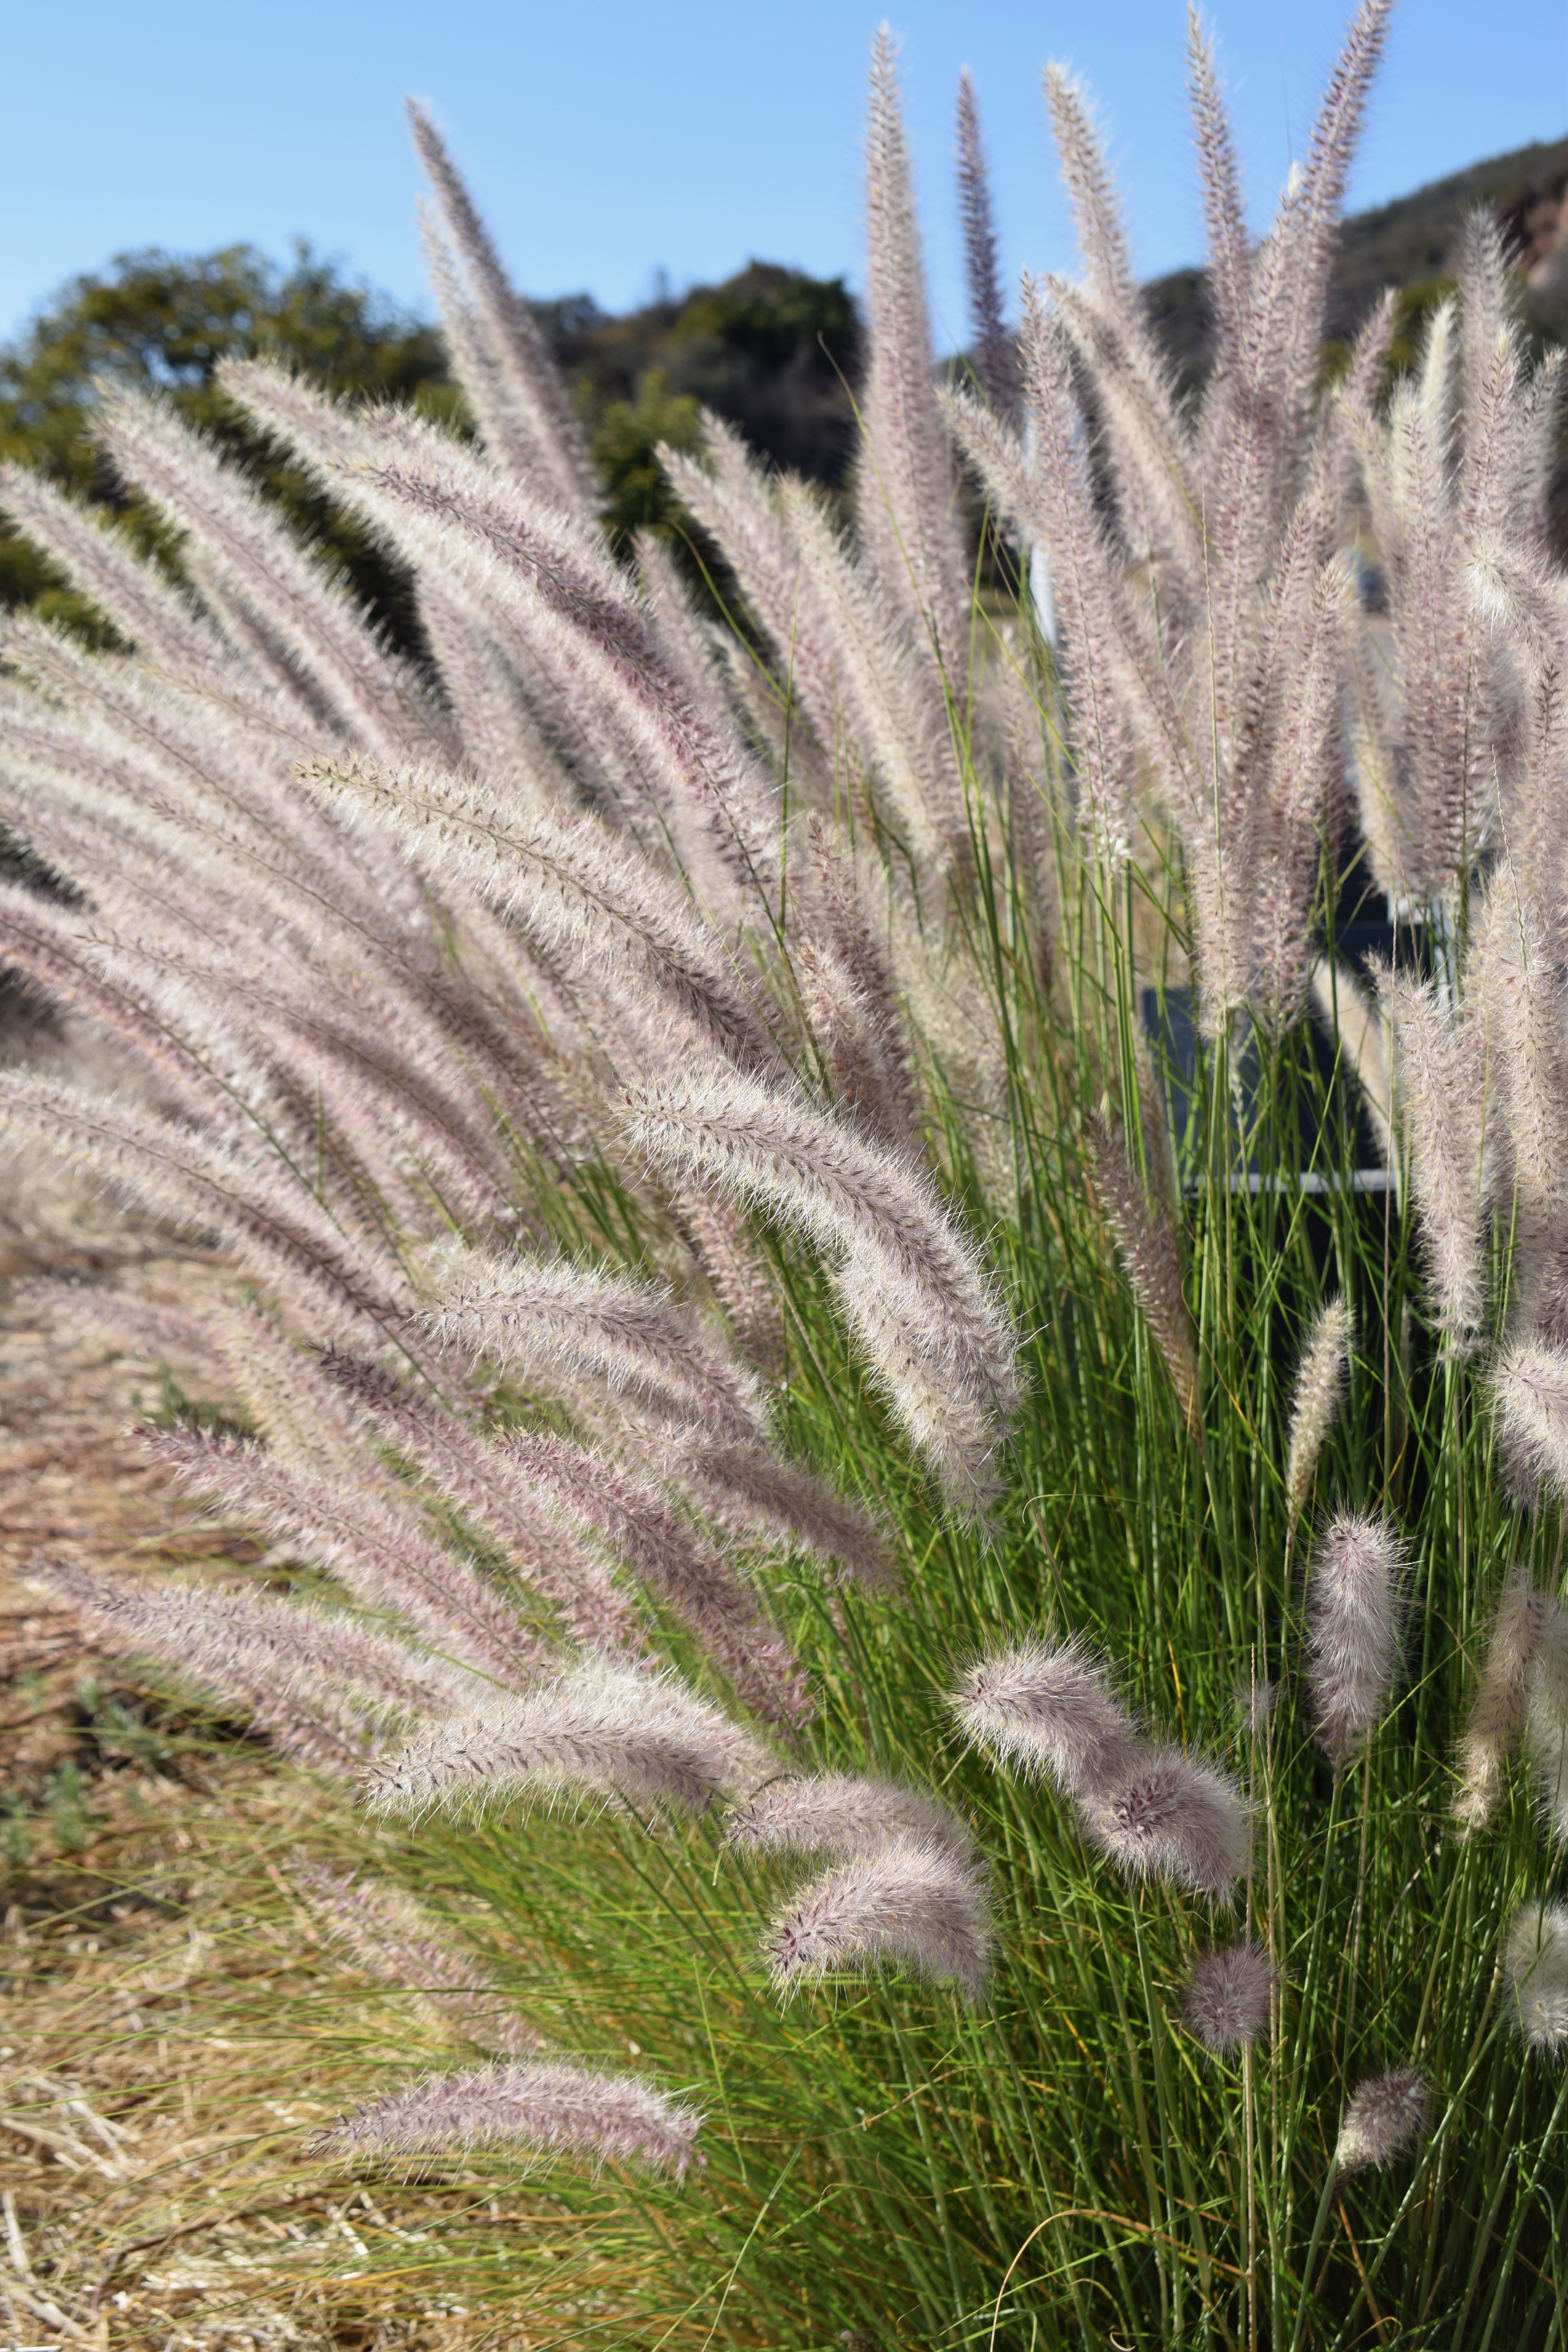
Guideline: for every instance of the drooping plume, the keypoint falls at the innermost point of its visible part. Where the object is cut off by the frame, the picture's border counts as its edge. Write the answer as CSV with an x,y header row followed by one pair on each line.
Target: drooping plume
x,y
543,2110
839,1814
596,1733
1355,1612
1385,2114
1171,1816
906,1901
1047,1707
1529,1385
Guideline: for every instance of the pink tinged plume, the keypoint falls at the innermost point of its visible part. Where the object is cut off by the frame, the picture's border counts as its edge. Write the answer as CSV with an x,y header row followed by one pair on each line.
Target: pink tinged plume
x,y
675,1563
907,1903
538,2110
399,1944
1442,1081
523,406
907,495
1354,1613
1172,1817
1529,1386
596,1733
524,1309
1320,1392
1229,1996
995,361
1500,1706
1385,2114
1535,1964
1546,1719
1046,1707
841,1814
912,1287
1144,1227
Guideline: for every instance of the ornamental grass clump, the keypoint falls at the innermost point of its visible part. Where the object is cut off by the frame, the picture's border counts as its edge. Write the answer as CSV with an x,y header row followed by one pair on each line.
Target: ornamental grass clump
x,y
905,1432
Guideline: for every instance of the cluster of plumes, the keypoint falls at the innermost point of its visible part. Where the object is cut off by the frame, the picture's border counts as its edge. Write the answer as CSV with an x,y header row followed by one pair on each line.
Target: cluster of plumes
x,y
1354,1614
1385,2114
905,1888
1202,595
1153,1811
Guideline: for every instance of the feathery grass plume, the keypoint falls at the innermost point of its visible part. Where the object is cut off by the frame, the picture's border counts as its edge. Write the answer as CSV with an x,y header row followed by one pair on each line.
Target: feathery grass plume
x,y
523,1310
1546,1720
595,1733
842,1814
1442,1076
728,493
372,1542
675,1564
906,497
475,1476
1170,1816
1354,1614
391,1936
163,624
895,705
1050,501
530,565
1229,1995
1497,1712
1528,1388
520,400
1359,1024
324,641
846,944
272,1222
1522,996
1321,1380
539,2109
910,1285
324,1688
572,888
737,1273
1385,2112
995,362
1536,1963
1146,1244
758,1497
1047,1707
907,1901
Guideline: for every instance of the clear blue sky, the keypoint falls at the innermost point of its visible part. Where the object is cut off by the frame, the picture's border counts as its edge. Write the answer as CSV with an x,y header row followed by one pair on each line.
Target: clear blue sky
x,y
608,140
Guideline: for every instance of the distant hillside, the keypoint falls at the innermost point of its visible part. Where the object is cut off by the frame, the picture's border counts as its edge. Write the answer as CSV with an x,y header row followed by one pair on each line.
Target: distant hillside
x,y
1413,244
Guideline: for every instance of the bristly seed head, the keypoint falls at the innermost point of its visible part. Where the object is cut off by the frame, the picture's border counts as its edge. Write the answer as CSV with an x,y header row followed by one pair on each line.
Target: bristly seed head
x,y
1172,1817
1046,1707
1353,1611
1386,2111
1535,1962
1229,1996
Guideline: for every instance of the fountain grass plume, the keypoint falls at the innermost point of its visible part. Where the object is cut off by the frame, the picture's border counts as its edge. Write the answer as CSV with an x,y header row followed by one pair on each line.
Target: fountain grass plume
x,y
1321,1382
1229,1997
1354,1613
1386,2113
1535,1965
537,2109
905,1902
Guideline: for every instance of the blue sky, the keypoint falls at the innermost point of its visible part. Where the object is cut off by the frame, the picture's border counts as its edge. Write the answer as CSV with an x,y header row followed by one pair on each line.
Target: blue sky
x,y
608,142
